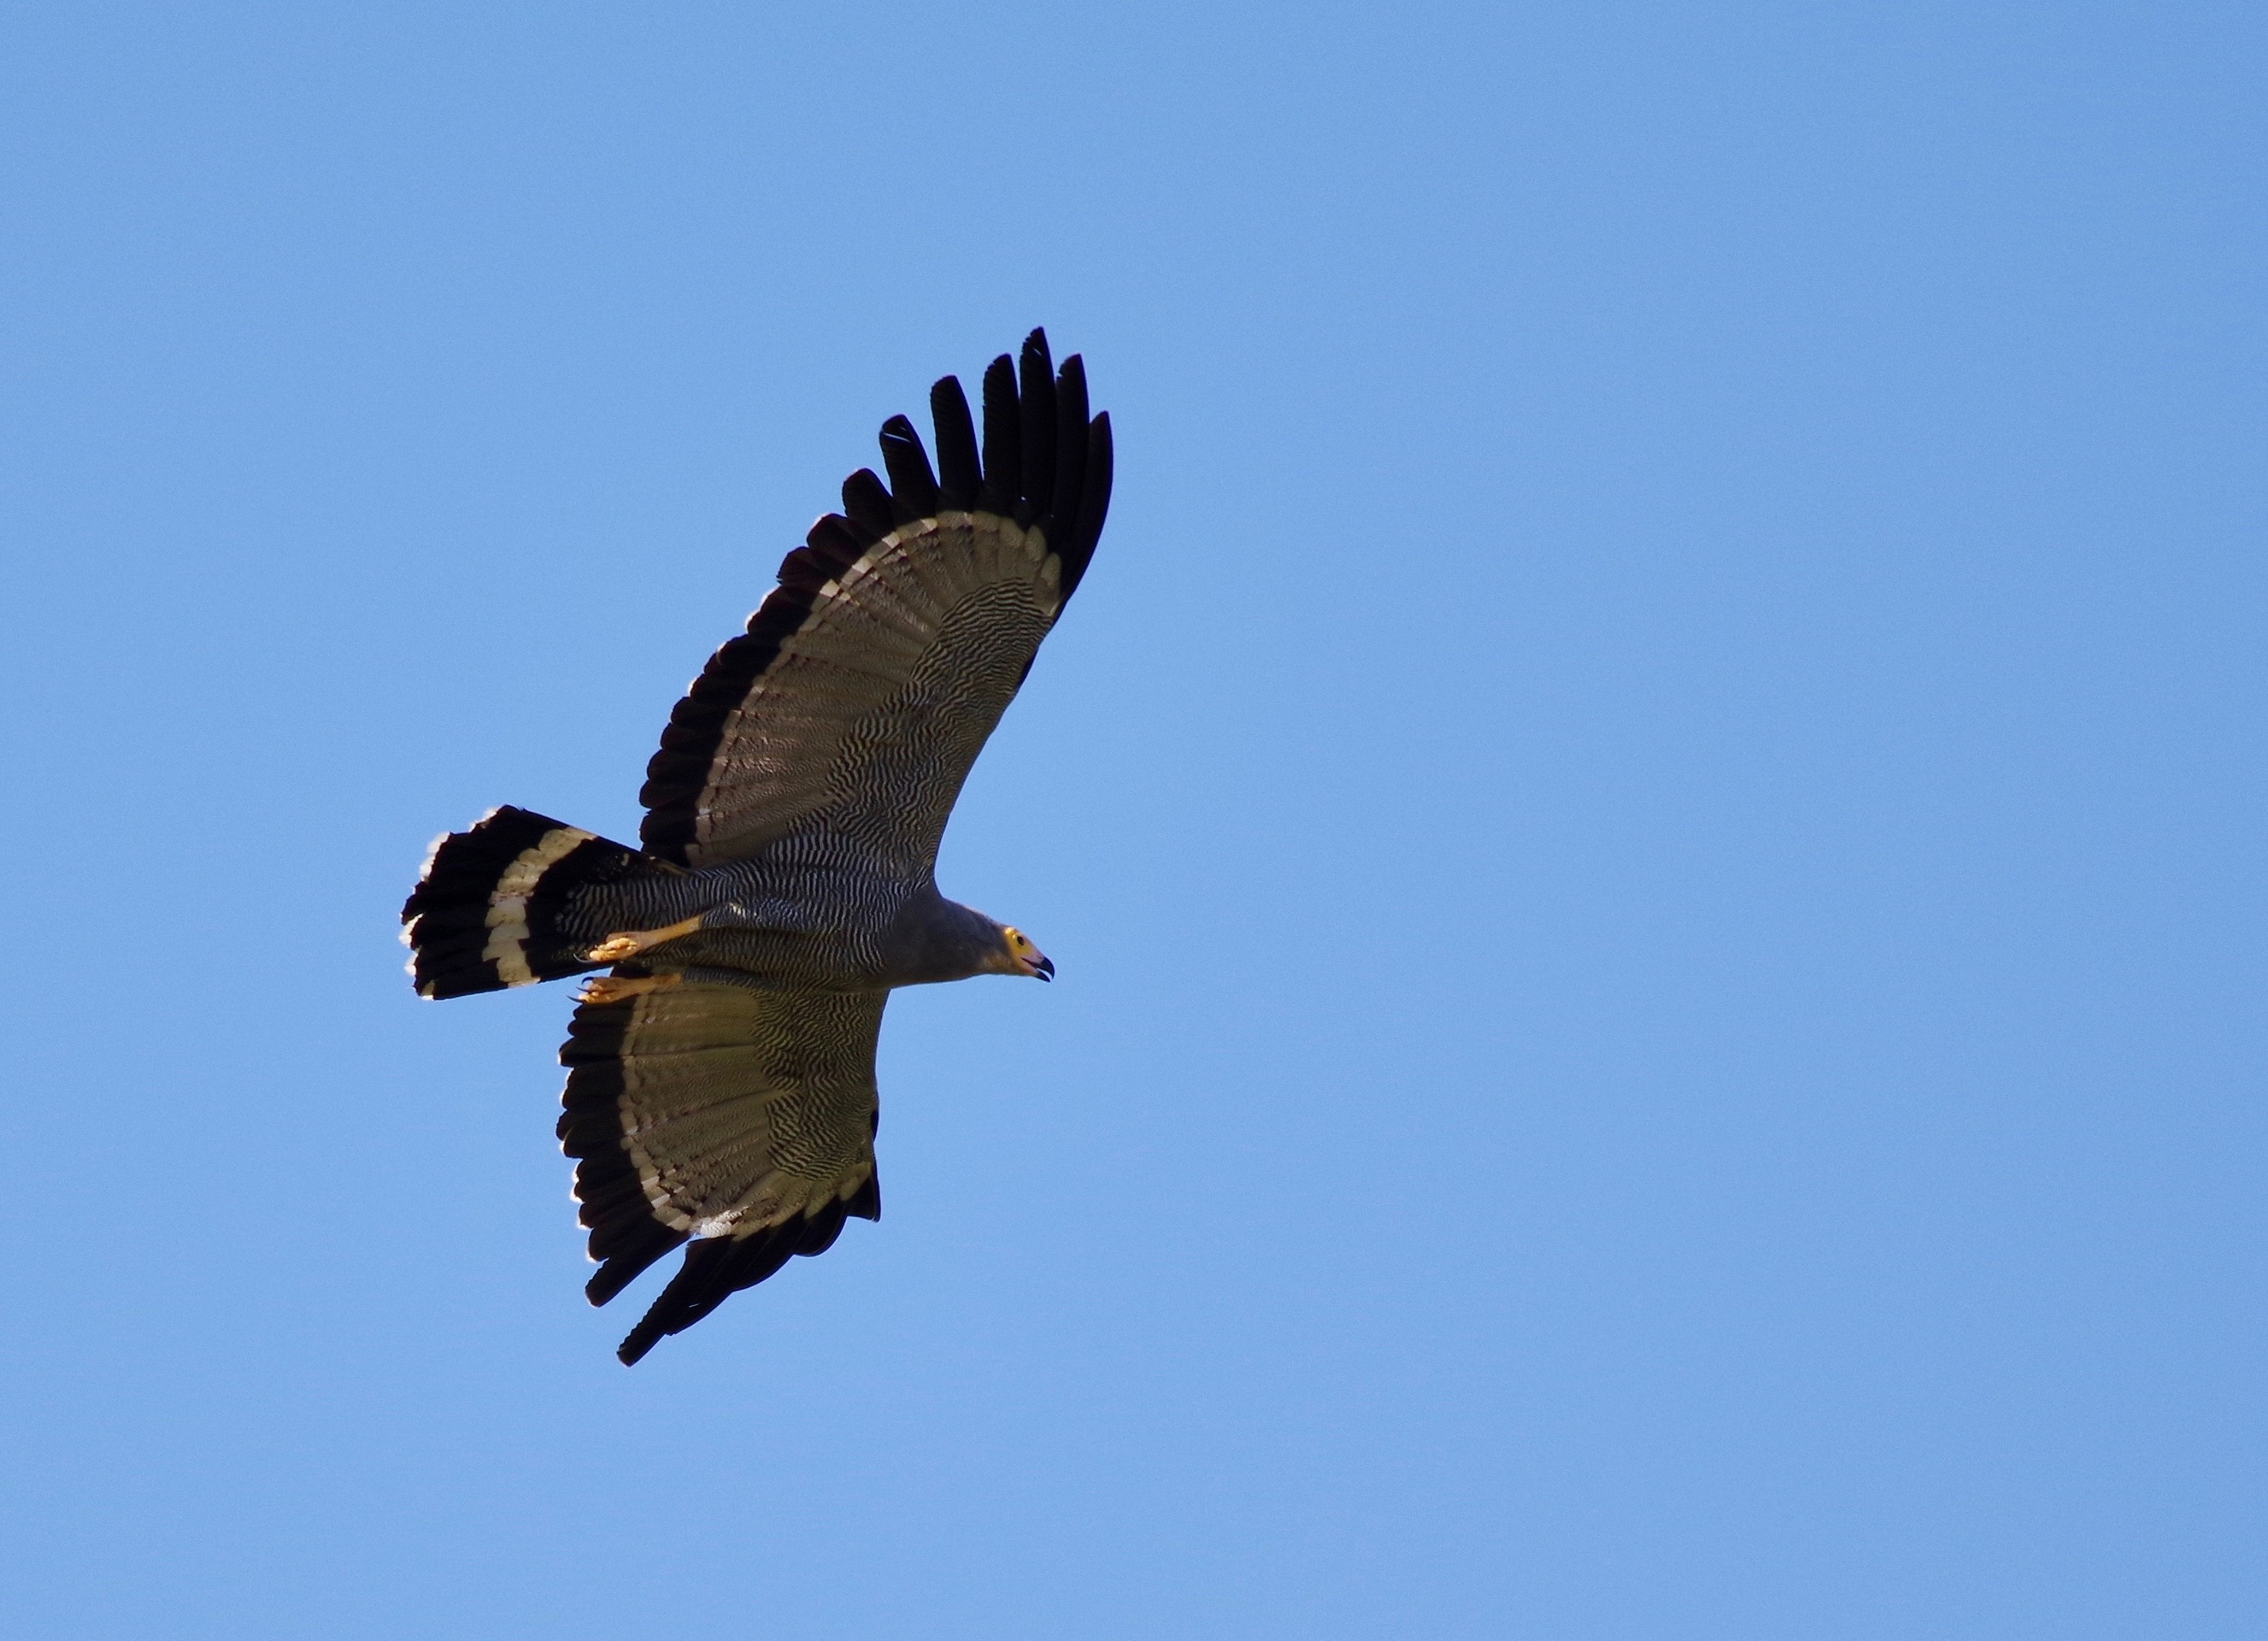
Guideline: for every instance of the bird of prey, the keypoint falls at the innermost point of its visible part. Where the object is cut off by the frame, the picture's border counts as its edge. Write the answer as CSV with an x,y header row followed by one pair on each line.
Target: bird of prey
x,y
720,1088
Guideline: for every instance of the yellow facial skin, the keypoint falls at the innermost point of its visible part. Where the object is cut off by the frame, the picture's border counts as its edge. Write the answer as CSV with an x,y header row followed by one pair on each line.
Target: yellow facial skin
x,y
1020,956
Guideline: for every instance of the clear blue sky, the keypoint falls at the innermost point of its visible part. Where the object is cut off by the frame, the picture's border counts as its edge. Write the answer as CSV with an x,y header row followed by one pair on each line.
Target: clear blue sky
x,y
1651,817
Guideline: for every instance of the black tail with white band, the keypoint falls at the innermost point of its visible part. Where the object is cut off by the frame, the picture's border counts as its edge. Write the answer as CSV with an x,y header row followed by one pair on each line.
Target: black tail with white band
x,y
486,913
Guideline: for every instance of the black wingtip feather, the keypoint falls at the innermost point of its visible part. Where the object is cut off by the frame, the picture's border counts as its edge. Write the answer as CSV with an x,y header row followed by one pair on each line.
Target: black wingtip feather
x,y
1094,505
1071,451
632,1262
868,503
1037,397
913,487
1004,439
958,476
835,538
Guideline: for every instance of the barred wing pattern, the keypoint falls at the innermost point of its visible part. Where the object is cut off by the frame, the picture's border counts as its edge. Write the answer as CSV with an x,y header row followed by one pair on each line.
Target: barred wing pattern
x,y
866,684
741,1119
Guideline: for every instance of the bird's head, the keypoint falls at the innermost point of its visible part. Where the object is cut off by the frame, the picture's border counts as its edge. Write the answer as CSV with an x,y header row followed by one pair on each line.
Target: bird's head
x,y
1019,956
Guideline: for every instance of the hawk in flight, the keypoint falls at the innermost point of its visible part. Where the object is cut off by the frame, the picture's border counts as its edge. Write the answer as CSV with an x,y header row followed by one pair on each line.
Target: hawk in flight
x,y
720,1086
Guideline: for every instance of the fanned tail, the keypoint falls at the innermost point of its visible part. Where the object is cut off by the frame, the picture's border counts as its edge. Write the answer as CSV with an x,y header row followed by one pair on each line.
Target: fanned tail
x,y
485,914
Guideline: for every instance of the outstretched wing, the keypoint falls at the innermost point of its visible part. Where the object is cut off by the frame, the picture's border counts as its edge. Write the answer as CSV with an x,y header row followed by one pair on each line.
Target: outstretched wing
x,y
868,682
742,1121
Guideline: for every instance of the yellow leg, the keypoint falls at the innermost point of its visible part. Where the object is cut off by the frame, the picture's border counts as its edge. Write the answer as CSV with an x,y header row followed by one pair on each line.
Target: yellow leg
x,y
614,989
630,942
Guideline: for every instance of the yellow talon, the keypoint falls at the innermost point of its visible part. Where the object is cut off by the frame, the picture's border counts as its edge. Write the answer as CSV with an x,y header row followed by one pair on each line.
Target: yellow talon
x,y
615,947
617,989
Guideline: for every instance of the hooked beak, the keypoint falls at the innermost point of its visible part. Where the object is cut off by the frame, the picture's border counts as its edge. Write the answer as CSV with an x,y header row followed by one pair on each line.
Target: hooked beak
x,y
1023,956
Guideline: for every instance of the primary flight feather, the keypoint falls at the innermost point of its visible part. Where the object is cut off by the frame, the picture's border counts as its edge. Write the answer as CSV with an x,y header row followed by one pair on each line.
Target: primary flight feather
x,y
720,1088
